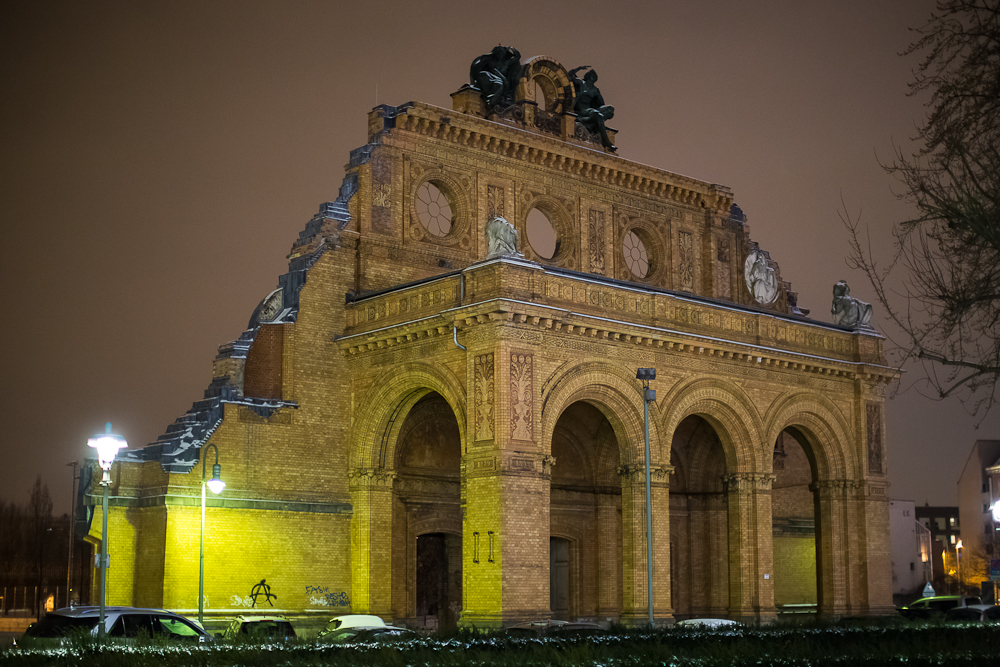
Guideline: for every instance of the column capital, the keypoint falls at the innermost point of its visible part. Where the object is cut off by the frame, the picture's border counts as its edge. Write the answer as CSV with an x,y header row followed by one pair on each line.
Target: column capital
x,y
635,473
371,478
746,482
839,488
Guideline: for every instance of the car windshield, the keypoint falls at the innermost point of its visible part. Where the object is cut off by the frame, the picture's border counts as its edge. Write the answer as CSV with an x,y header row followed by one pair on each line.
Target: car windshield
x,y
54,625
268,628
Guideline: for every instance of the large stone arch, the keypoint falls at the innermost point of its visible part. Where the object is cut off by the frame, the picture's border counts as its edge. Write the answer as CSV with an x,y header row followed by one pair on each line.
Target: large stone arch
x,y
727,408
613,390
824,426
381,412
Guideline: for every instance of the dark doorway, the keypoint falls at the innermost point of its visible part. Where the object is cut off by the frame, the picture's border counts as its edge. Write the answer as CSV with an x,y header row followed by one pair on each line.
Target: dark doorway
x,y
439,592
559,578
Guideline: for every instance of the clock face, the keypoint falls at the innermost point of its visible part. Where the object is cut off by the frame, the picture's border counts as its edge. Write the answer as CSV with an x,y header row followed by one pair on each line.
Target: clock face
x,y
271,307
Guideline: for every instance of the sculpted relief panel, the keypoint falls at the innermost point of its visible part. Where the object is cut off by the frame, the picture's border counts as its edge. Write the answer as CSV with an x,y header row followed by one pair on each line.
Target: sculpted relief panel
x,y
484,396
521,391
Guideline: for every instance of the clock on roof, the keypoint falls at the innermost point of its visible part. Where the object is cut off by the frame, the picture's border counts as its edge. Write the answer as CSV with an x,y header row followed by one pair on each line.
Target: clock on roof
x,y
271,306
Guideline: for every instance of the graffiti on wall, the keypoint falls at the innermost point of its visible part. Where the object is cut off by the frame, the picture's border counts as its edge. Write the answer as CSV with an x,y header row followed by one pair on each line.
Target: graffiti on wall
x,y
323,597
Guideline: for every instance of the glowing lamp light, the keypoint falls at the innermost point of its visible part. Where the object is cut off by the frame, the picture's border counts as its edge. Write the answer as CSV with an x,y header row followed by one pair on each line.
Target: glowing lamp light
x,y
996,512
107,445
216,485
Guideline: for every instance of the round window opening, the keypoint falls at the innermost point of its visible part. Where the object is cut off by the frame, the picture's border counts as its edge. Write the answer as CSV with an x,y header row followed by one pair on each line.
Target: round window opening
x,y
636,256
542,235
434,210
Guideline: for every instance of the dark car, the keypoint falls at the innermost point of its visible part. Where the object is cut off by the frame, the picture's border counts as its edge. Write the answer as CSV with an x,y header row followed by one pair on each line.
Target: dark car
x,y
937,606
260,627
976,613
554,628
120,623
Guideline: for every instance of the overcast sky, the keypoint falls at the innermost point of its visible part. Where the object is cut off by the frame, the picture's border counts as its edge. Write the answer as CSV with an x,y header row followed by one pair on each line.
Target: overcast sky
x,y
159,158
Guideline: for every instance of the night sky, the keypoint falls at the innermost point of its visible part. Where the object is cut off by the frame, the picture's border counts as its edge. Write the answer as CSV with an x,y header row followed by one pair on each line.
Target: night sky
x,y
158,160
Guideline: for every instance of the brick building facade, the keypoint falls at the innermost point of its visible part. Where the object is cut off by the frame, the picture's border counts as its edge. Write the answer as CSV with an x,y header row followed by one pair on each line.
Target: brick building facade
x,y
412,429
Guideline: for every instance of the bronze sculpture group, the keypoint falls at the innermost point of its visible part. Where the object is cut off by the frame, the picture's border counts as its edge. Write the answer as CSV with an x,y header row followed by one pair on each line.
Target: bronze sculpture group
x,y
495,75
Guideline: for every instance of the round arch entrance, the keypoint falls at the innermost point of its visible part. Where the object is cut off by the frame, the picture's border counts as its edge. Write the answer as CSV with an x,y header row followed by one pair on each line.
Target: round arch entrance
x,y
793,523
426,516
699,535
585,567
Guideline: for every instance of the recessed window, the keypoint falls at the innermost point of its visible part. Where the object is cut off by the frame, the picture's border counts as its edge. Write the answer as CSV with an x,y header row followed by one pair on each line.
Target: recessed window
x,y
542,234
434,209
636,255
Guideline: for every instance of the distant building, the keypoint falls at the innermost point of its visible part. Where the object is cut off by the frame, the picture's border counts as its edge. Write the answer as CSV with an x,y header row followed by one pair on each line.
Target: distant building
x,y
910,549
944,527
978,489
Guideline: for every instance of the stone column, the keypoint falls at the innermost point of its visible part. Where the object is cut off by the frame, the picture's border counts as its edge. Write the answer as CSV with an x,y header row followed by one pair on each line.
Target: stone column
x,y
371,541
751,553
874,509
832,548
505,534
635,603
609,545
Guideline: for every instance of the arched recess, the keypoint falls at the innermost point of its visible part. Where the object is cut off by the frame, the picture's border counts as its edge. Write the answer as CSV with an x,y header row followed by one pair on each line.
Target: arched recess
x,y
824,427
585,568
714,430
608,484
731,413
808,438
381,411
612,389
426,543
387,491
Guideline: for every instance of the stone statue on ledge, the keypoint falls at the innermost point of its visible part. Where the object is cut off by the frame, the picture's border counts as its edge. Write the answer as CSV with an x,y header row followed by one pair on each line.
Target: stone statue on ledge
x,y
495,74
590,109
760,278
848,311
501,239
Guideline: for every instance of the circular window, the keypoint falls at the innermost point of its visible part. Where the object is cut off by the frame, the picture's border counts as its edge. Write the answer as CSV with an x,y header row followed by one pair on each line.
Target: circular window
x,y
434,209
636,256
542,234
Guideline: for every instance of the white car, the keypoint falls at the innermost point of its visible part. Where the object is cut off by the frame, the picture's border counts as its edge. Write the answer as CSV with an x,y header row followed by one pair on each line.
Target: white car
x,y
713,623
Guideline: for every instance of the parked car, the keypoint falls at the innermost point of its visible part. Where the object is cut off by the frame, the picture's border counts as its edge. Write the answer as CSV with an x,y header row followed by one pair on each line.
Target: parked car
x,y
119,622
554,628
975,613
360,628
260,627
713,623
937,606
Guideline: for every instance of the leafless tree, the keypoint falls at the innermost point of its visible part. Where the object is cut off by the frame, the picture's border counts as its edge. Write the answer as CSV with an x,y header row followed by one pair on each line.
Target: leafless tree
x,y
944,296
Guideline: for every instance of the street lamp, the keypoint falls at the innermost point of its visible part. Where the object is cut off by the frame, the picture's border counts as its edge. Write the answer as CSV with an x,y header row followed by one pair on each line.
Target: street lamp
x,y
107,445
958,555
216,485
648,395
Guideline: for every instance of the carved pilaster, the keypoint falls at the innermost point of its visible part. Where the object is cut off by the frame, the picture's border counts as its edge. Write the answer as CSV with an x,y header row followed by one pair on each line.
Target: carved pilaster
x,y
484,396
635,474
747,482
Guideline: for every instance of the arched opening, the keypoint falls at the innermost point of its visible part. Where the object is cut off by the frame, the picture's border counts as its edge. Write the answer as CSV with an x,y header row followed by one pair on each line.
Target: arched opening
x,y
585,575
426,527
699,534
793,522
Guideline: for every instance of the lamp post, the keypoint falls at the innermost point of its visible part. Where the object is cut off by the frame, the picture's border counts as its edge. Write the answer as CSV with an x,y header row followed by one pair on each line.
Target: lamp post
x,y
958,555
648,395
216,485
107,445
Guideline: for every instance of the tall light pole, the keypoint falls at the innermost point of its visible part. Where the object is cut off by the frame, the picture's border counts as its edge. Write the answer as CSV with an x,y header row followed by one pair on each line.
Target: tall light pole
x,y
107,445
216,485
645,375
958,555
72,527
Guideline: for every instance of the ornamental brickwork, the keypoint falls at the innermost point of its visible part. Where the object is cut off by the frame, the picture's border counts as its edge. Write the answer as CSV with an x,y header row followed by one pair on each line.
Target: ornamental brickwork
x,y
410,429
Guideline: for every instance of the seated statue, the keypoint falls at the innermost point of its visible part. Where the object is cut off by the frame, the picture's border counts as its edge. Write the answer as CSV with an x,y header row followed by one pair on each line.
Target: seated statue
x,y
495,74
760,278
590,109
848,311
501,238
